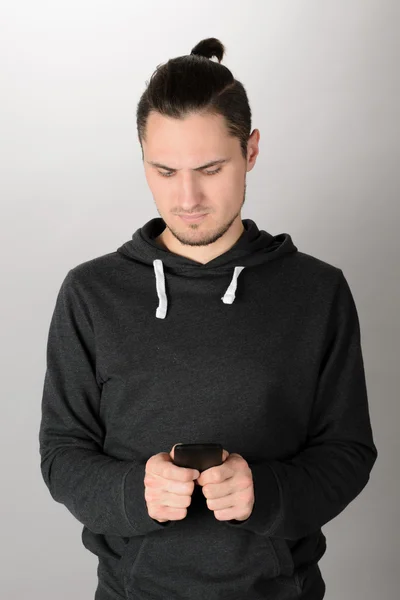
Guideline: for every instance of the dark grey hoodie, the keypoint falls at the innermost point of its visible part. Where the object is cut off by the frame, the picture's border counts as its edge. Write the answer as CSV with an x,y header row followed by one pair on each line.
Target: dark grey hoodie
x,y
258,350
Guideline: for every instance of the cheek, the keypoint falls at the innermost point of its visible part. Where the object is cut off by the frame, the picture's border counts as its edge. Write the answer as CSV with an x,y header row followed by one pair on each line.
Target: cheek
x,y
157,184
229,187
149,179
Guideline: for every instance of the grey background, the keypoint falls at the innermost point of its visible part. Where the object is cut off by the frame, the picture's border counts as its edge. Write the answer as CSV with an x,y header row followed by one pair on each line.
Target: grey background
x,y
323,83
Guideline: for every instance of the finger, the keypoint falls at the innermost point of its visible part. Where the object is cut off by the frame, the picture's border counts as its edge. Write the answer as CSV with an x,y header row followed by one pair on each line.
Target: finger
x,y
172,453
219,490
168,470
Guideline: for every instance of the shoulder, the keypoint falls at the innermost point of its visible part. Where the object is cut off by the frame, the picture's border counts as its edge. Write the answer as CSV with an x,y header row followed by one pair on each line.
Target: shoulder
x,y
93,269
311,271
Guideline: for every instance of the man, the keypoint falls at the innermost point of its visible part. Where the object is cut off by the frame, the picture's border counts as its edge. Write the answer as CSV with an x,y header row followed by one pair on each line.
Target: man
x,y
204,330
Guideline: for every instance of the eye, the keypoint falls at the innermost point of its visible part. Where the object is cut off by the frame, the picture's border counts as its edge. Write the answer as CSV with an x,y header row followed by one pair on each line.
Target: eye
x,y
170,173
213,172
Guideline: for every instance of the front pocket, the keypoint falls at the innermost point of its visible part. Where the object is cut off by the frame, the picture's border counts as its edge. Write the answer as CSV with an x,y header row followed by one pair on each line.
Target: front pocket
x,y
107,546
200,557
129,556
283,556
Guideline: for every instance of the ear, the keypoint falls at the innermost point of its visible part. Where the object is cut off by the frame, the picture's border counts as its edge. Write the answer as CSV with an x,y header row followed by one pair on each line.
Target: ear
x,y
252,149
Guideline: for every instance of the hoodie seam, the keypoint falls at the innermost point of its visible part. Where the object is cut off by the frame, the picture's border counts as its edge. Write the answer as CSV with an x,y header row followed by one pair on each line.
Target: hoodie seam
x,y
77,296
327,342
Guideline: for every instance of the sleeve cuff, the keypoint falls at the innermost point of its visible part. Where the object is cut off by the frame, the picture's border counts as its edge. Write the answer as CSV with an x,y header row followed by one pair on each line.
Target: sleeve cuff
x,y
267,509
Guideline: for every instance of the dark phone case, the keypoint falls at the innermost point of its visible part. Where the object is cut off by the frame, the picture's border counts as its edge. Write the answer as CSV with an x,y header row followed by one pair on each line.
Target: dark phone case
x,y
198,456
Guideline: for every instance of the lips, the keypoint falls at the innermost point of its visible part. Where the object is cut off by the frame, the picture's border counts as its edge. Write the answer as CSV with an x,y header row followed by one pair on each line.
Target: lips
x,y
194,218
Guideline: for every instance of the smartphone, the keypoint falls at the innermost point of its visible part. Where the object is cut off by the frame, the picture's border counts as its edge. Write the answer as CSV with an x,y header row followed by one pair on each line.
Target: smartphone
x,y
198,456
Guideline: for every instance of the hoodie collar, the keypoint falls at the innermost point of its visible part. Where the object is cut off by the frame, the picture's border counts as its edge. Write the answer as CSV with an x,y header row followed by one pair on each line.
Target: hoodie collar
x,y
252,248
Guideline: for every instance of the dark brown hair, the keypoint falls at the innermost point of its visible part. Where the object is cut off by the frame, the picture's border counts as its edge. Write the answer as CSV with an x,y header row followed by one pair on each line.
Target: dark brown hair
x,y
195,84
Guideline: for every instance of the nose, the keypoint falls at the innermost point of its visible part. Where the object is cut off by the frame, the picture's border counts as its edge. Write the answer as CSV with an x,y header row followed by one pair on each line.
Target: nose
x,y
190,193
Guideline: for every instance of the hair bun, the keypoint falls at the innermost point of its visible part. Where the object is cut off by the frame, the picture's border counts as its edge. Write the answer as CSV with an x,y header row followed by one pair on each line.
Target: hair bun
x,y
208,48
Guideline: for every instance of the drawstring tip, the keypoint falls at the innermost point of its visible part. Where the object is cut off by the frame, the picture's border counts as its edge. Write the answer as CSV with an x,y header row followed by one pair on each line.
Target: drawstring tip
x,y
228,298
161,312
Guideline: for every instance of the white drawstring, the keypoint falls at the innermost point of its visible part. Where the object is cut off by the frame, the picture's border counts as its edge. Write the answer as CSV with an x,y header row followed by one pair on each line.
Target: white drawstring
x,y
227,298
229,295
160,283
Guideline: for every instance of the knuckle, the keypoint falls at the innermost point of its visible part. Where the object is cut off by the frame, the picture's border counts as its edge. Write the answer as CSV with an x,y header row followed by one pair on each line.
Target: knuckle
x,y
149,496
248,480
148,480
152,514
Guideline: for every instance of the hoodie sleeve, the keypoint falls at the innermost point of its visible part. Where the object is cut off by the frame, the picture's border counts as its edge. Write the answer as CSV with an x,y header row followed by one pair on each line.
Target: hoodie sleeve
x,y
297,496
104,493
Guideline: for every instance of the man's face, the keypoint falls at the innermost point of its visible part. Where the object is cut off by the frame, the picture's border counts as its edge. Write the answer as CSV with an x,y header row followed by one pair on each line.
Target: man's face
x,y
183,145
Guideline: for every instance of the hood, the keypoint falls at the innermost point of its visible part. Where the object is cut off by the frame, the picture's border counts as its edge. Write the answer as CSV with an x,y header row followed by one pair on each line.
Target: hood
x,y
254,247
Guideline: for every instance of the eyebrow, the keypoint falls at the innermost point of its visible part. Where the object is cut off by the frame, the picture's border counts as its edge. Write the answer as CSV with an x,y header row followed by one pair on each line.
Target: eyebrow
x,y
209,164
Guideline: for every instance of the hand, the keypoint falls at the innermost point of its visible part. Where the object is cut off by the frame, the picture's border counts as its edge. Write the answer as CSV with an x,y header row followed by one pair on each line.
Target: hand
x,y
229,488
168,488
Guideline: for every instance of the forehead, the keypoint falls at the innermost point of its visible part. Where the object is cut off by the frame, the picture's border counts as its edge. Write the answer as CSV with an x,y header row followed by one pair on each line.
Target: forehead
x,y
197,135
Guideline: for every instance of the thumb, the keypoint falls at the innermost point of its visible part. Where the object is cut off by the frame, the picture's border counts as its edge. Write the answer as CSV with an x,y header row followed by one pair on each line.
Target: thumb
x,y
225,455
172,453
